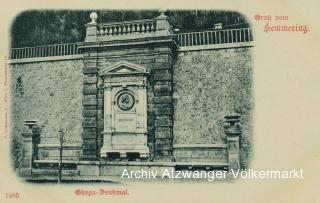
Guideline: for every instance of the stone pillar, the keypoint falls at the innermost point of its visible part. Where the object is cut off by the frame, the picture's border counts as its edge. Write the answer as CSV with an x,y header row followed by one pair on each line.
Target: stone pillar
x,y
91,31
162,25
233,132
142,118
163,105
90,108
163,92
30,139
90,95
107,132
26,160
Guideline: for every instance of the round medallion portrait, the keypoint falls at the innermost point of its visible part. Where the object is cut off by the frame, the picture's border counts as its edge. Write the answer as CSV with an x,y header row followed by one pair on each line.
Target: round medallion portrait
x,y
125,101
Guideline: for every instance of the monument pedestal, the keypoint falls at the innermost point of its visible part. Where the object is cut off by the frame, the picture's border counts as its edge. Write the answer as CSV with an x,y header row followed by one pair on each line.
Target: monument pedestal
x,y
30,139
233,132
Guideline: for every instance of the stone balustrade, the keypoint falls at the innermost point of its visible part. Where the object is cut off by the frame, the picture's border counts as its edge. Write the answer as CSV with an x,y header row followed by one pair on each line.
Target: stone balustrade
x,y
158,26
126,27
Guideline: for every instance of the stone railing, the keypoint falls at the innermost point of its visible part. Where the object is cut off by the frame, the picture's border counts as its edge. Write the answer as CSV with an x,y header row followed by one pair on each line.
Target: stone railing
x,y
158,26
143,28
44,51
214,37
126,27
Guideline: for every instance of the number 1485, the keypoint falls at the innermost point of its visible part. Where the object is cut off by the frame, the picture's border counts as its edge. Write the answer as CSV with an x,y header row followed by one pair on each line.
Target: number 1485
x,y
12,195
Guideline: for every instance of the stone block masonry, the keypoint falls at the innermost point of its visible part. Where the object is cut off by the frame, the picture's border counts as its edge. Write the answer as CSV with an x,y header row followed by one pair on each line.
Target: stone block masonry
x,y
90,108
152,47
163,105
158,60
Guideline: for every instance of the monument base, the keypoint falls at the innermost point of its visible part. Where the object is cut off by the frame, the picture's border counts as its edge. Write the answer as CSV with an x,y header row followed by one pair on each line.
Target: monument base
x,y
125,153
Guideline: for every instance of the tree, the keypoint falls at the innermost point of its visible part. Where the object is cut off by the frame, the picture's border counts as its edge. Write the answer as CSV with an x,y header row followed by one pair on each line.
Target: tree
x,y
61,138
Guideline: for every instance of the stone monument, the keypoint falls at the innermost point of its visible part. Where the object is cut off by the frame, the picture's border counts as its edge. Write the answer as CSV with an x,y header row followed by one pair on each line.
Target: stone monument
x,y
125,110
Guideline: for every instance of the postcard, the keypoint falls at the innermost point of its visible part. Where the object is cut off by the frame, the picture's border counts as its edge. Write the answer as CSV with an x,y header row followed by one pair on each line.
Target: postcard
x,y
159,101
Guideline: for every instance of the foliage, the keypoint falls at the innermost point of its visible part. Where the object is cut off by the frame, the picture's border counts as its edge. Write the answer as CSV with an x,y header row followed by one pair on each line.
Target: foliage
x,y
41,27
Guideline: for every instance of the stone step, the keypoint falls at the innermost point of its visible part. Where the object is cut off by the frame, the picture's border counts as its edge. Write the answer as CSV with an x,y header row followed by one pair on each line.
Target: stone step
x,y
54,172
202,165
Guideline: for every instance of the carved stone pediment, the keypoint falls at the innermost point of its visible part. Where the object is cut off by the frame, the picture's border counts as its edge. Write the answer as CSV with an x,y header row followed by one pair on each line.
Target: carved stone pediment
x,y
123,68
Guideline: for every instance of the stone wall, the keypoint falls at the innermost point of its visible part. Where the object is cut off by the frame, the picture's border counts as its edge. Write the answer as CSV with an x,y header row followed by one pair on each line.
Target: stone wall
x,y
50,92
209,85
